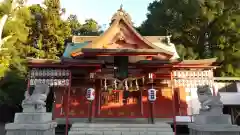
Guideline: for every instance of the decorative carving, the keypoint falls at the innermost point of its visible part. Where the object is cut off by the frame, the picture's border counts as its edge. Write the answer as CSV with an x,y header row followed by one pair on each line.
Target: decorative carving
x,y
210,104
37,98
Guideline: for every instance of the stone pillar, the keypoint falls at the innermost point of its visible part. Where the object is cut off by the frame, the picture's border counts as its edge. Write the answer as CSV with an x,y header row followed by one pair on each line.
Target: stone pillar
x,y
34,120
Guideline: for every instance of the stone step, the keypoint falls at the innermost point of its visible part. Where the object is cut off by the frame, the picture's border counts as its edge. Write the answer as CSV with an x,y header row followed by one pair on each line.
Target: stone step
x,y
96,125
120,129
124,129
118,133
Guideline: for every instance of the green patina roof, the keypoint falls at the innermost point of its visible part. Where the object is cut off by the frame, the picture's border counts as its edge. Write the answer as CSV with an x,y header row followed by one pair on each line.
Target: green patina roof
x,y
73,46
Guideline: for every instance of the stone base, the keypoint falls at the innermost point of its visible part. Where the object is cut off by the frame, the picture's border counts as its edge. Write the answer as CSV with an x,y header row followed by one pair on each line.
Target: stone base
x,y
216,129
216,110
120,129
31,123
209,124
32,118
31,129
29,108
208,119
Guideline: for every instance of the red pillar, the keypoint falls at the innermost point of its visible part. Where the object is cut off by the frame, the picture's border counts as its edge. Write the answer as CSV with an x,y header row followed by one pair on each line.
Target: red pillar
x,y
173,103
68,98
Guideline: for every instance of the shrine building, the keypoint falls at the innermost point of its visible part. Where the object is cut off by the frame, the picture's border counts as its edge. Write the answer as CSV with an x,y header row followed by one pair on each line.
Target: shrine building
x,y
121,66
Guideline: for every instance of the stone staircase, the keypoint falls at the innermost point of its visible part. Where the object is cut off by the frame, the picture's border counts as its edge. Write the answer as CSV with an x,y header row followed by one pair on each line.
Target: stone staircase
x,y
120,129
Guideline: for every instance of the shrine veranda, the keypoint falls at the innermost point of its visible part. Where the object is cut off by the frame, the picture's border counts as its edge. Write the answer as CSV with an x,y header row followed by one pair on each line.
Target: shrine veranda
x,y
121,65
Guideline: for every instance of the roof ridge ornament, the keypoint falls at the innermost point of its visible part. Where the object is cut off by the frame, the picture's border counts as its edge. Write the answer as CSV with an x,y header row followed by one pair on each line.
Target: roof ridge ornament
x,y
121,13
121,8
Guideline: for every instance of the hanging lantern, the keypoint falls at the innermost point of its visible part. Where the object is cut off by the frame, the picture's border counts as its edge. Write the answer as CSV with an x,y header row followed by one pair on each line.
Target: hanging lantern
x,y
31,81
40,73
60,72
67,82
48,72
90,94
44,72
32,73
67,72
152,95
55,73
36,73
55,82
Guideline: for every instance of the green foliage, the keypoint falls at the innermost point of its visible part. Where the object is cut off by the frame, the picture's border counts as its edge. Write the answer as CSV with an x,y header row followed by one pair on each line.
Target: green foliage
x,y
52,33
13,69
22,25
89,28
200,29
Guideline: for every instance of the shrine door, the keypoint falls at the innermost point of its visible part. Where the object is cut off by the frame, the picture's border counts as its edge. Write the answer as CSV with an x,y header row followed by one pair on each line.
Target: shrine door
x,y
111,104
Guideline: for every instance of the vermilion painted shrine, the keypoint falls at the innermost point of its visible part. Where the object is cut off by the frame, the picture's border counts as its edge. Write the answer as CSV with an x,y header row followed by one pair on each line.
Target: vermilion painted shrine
x,y
121,65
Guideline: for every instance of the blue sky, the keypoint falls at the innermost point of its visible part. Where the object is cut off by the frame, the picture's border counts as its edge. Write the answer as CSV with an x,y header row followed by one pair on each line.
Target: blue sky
x,y
102,10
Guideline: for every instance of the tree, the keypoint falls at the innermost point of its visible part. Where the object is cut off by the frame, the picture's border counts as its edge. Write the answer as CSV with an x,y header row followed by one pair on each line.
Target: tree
x,y
74,24
16,31
89,28
200,29
13,69
52,32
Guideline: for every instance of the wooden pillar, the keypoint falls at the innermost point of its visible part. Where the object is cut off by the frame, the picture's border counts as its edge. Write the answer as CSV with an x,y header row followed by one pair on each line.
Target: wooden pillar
x,y
90,108
141,102
98,98
152,119
68,98
92,103
173,103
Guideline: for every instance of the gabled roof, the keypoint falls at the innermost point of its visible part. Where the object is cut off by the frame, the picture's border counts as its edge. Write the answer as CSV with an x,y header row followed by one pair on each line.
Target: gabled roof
x,y
119,18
